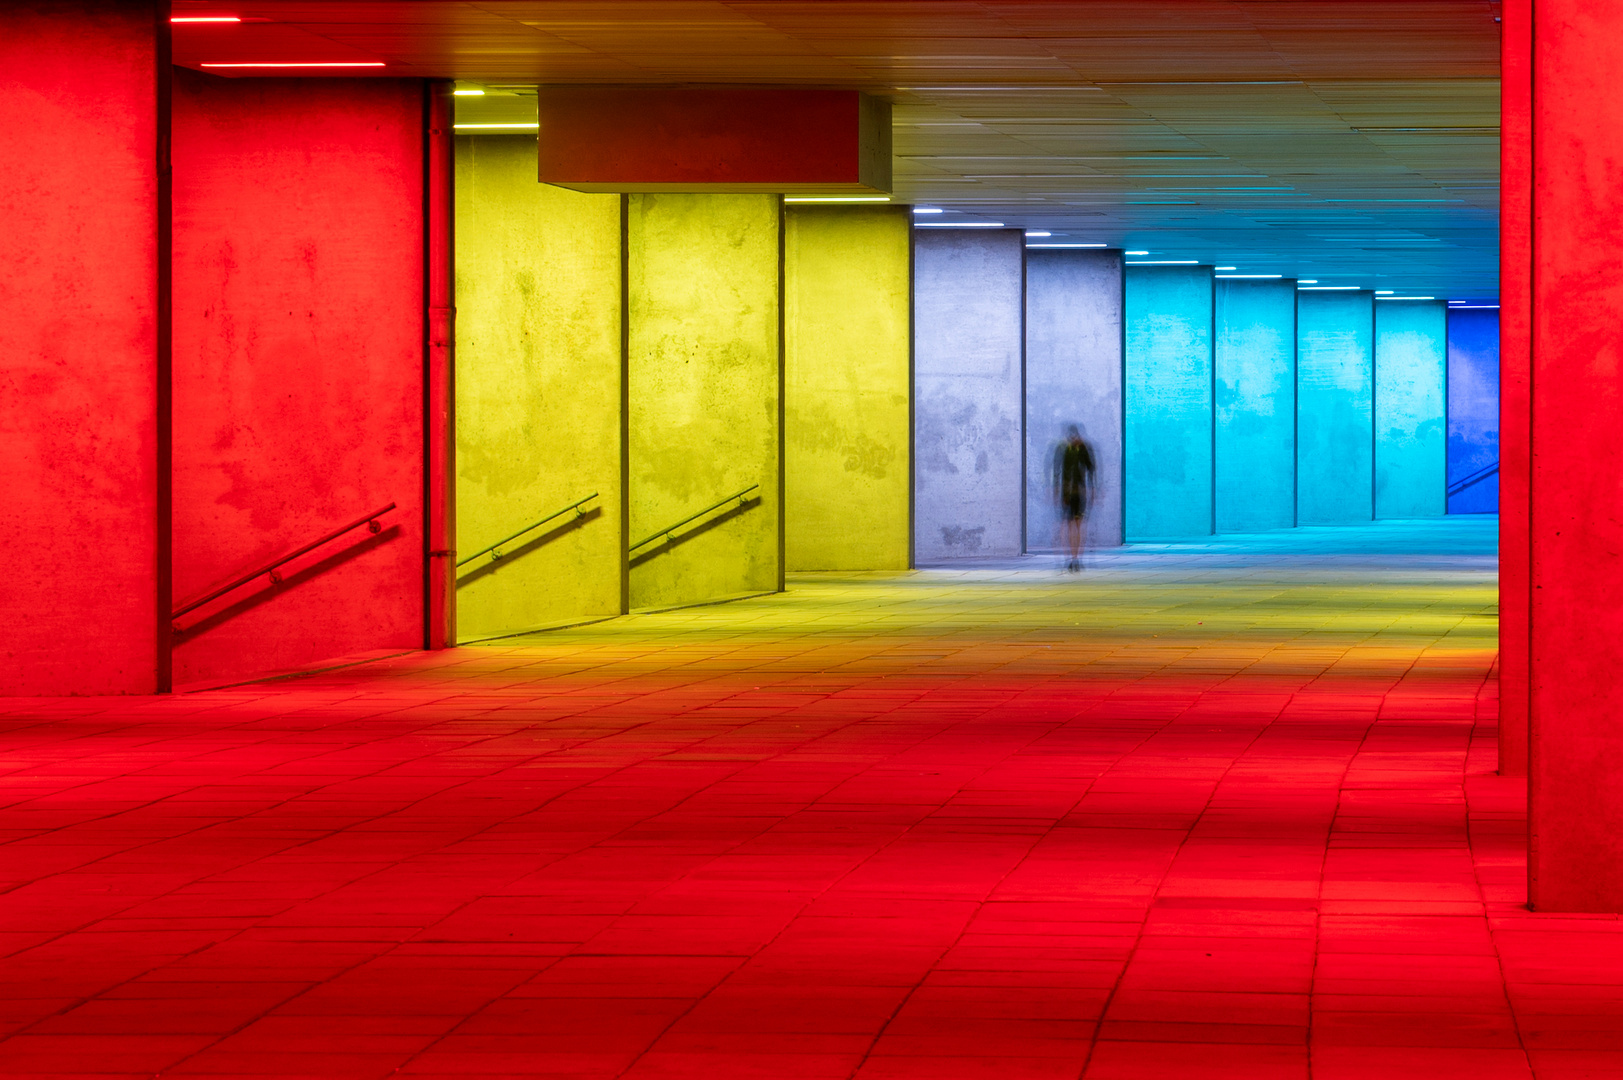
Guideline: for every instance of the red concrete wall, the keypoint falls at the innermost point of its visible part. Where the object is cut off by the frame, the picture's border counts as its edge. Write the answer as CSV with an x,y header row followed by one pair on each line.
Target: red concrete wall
x,y
298,366
1515,267
80,504
1576,491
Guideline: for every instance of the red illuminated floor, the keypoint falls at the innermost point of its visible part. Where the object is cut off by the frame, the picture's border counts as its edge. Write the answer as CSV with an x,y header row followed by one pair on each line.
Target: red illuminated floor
x,y
1161,822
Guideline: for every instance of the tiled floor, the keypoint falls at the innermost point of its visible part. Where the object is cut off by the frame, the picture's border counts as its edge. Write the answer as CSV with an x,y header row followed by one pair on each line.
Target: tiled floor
x,y
1187,814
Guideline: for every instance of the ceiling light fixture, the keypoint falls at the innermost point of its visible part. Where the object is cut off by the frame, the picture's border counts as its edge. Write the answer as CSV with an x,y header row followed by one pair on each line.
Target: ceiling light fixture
x,y
1384,292
1225,268
958,225
467,93
1167,262
302,64
205,18
1326,288
1405,298
1067,245
836,198
1473,307
1234,276
1135,253
1037,232
1308,281
496,127
928,210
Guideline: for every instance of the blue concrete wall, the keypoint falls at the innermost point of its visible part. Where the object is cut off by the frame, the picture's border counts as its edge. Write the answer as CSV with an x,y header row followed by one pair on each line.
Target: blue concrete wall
x,y
1411,365
1335,421
968,342
1473,408
1169,402
1073,376
1255,365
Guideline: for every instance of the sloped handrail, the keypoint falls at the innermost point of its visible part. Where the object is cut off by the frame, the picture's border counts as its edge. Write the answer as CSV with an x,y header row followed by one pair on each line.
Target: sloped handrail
x,y
496,554
666,532
369,520
1475,478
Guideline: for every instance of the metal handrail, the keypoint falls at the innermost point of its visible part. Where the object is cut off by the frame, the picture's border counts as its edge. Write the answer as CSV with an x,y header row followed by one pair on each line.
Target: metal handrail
x,y
1475,478
494,554
369,520
666,532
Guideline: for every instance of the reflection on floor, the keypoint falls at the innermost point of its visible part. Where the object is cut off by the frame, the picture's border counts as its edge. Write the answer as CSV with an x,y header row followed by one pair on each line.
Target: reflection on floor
x,y
1180,815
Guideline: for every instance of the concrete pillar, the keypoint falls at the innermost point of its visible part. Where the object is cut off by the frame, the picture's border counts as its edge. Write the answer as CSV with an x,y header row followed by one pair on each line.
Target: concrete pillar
x,y
968,296
1576,766
1169,402
538,392
1515,388
1073,376
1411,362
848,342
705,393
1473,411
298,375
1255,374
1335,419
84,337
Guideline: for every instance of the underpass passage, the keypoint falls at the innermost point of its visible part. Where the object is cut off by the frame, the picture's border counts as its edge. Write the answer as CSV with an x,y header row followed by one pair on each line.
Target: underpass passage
x,y
1223,808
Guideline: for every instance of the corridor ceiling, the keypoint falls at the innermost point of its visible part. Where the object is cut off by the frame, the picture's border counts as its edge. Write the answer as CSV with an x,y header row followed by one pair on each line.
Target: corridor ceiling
x,y
1355,142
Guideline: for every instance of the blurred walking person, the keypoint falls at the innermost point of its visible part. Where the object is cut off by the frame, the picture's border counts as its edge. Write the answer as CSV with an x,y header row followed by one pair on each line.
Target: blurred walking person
x,y
1073,490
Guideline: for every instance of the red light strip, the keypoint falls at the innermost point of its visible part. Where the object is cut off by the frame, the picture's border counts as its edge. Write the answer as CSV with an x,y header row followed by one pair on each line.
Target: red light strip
x,y
302,64
205,19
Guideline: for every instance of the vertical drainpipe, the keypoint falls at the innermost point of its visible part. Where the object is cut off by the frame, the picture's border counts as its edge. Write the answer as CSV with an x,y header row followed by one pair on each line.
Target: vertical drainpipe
x,y
625,404
163,467
439,369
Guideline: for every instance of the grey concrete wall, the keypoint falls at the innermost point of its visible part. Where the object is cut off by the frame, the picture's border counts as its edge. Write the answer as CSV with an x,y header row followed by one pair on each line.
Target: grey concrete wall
x,y
1073,376
968,297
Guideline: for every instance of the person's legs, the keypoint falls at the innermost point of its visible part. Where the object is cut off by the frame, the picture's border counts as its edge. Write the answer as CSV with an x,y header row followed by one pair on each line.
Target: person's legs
x,y
1073,541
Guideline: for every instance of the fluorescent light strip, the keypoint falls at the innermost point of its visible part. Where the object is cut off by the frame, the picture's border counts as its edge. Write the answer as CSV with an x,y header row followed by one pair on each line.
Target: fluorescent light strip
x,y
1327,288
1067,245
1237,276
1037,232
928,210
1473,307
303,64
1167,262
1135,253
1405,298
467,93
205,18
836,198
958,225
496,127
1226,268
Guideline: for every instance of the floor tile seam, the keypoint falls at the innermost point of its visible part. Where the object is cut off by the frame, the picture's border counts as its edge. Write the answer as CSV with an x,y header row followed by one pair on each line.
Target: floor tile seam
x,y
282,851
1484,889
958,938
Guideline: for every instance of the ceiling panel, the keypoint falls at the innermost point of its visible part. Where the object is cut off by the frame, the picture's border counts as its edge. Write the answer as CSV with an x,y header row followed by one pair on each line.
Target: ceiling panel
x,y
1354,141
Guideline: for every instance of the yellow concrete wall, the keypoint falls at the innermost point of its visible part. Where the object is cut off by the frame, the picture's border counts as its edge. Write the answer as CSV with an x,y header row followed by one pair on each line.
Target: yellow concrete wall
x,y
847,339
705,375
537,390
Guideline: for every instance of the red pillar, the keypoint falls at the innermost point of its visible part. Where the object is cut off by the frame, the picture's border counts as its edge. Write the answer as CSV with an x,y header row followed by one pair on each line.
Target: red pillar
x,y
83,337
1575,485
1515,268
439,400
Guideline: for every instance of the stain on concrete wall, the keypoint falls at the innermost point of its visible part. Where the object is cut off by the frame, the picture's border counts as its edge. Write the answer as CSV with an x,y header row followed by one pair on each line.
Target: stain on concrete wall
x,y
1169,402
1335,420
1411,369
848,329
1073,376
705,386
968,352
1255,366
538,391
